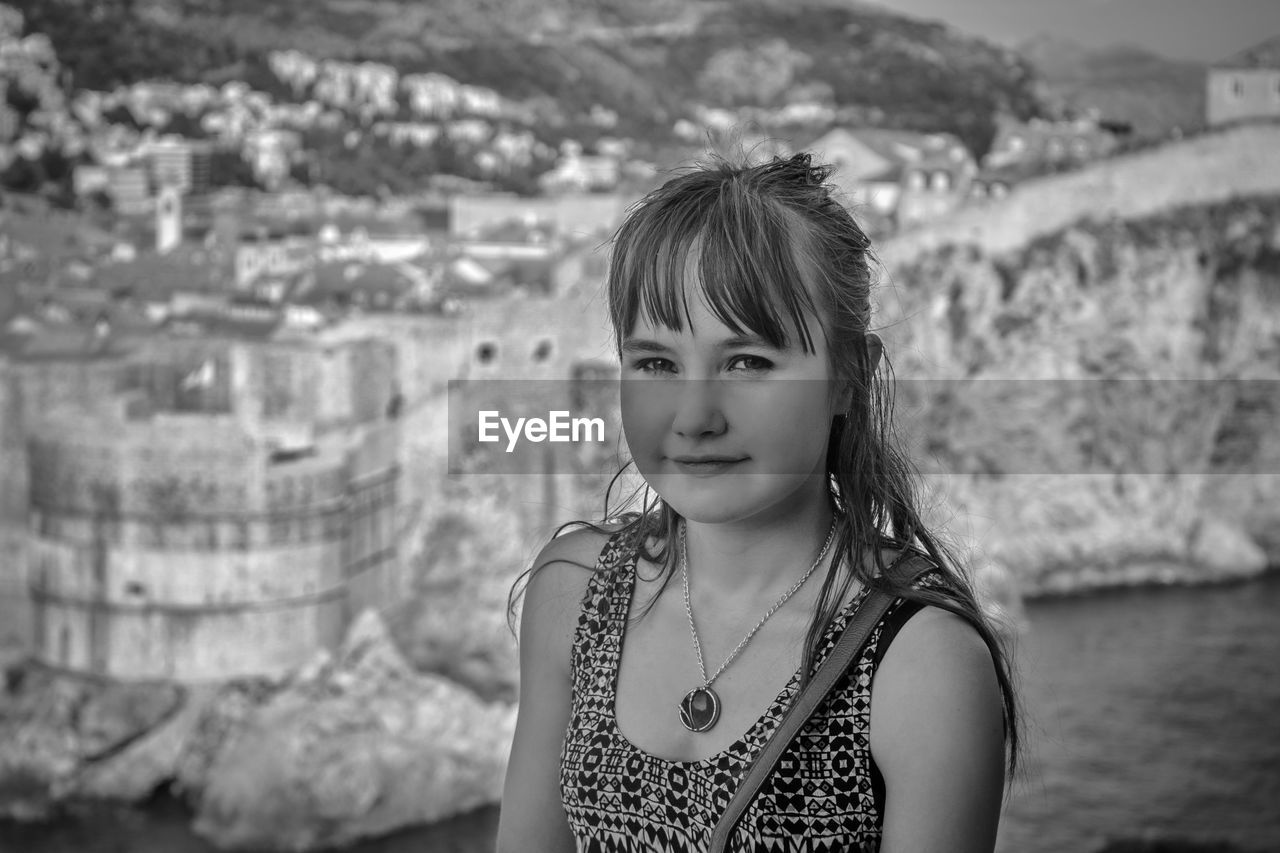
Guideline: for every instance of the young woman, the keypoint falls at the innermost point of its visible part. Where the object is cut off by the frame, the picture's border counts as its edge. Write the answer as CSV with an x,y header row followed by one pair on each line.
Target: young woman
x,y
659,652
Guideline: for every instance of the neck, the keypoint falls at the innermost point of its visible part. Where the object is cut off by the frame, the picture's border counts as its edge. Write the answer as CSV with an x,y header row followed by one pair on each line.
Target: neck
x,y
754,558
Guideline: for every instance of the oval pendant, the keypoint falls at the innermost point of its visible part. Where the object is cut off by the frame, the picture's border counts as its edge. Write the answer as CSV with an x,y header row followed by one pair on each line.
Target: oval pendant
x,y
699,709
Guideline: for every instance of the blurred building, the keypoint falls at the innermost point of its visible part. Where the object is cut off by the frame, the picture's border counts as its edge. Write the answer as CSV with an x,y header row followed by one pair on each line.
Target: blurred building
x,y
572,215
578,172
272,256
129,188
1244,87
217,502
185,164
902,175
1040,145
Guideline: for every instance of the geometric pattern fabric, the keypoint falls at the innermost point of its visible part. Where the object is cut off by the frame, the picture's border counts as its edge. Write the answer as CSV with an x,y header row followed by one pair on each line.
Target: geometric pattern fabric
x,y
825,794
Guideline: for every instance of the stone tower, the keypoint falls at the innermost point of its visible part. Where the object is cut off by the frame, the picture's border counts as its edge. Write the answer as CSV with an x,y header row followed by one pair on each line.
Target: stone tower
x,y
168,219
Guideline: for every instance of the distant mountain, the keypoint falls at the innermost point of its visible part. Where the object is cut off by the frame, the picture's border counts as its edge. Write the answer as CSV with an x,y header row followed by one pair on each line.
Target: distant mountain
x,y
1125,83
1262,55
650,62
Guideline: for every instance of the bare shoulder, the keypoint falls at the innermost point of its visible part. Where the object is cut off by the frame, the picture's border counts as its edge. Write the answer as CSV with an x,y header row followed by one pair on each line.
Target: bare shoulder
x,y
565,564
557,583
937,647
937,735
936,639
937,681
578,547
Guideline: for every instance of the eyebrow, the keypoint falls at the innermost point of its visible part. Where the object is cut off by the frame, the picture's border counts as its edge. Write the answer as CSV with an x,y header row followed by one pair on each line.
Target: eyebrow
x,y
745,341
644,345
641,345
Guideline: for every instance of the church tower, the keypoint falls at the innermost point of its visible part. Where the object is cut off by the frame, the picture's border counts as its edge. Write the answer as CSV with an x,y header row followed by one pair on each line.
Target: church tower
x,y
168,219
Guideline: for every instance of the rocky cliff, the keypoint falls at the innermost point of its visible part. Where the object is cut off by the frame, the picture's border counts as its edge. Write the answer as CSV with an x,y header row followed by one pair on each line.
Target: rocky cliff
x,y
352,745
1099,402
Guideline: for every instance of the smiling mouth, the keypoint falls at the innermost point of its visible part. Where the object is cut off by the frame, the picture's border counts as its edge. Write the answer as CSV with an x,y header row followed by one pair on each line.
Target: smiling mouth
x,y
705,465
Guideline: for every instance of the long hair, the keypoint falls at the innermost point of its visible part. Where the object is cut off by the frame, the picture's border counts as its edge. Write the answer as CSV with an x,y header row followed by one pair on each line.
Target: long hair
x,y
772,246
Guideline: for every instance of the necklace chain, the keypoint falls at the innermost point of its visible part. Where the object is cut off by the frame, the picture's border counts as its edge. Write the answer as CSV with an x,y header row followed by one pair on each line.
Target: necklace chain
x,y
688,606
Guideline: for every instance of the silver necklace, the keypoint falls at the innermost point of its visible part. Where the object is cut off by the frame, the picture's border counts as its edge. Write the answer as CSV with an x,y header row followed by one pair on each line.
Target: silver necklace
x,y
700,707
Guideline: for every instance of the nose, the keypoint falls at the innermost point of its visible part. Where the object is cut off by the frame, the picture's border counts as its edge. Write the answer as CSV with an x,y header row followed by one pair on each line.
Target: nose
x,y
698,412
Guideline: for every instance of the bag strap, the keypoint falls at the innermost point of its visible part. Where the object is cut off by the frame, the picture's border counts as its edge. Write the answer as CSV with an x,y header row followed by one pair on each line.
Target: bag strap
x,y
846,651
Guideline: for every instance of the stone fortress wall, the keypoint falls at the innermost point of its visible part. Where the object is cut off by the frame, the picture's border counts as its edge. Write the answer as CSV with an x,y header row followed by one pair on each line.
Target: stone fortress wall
x,y
540,343
1242,160
200,507
207,508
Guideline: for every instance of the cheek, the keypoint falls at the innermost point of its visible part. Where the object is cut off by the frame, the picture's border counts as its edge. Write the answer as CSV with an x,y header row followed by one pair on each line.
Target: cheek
x,y
645,416
795,423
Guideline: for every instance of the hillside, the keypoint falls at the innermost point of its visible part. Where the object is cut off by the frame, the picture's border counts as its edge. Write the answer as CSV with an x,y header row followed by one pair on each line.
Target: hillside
x,y
1125,83
650,63
1264,54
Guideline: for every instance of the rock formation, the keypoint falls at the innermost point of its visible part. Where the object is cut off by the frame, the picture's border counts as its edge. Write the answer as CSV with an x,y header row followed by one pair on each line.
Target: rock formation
x,y
52,727
352,747
1099,406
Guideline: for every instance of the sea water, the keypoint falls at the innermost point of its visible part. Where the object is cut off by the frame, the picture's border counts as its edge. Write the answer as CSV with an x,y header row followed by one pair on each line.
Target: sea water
x,y
1149,713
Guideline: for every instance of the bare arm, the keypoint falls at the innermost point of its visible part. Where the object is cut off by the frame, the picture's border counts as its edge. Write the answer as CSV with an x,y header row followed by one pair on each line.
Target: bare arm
x,y
532,816
937,737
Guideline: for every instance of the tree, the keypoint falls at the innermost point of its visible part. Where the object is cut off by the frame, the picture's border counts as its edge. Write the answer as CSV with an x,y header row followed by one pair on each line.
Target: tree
x,y
228,168
22,175
746,76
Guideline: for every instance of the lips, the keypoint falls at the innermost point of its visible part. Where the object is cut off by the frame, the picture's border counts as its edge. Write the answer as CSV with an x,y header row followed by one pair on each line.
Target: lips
x,y
704,466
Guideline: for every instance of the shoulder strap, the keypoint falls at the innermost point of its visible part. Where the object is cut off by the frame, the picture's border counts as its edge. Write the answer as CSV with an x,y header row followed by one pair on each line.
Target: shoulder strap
x,y
846,651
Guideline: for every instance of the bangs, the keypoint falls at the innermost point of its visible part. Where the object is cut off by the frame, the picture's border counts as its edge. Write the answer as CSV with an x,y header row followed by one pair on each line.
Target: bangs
x,y
745,252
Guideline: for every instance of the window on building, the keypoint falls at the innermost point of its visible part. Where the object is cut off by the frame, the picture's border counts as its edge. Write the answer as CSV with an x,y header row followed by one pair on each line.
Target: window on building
x,y
542,351
486,352
1237,87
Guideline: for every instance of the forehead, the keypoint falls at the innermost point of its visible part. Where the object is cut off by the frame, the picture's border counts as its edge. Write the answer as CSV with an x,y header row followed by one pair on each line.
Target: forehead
x,y
701,328
697,319
725,290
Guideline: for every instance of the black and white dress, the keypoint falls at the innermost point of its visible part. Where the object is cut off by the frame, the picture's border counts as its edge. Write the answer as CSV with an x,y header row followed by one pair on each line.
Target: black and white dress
x,y
825,795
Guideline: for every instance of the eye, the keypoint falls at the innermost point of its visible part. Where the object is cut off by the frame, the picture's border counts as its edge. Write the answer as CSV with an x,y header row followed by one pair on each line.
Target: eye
x,y
750,364
653,366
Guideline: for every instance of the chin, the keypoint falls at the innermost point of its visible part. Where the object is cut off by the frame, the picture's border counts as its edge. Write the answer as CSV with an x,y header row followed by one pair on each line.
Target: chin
x,y
727,499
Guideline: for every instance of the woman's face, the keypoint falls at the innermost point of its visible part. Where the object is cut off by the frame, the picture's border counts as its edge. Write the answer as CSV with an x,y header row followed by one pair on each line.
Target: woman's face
x,y
727,428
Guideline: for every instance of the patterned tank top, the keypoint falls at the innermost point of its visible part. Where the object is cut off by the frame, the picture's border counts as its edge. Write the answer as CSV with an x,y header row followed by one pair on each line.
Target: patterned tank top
x,y
825,794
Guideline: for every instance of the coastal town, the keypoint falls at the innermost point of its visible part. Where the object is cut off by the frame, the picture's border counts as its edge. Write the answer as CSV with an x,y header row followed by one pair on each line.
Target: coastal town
x,y
231,313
